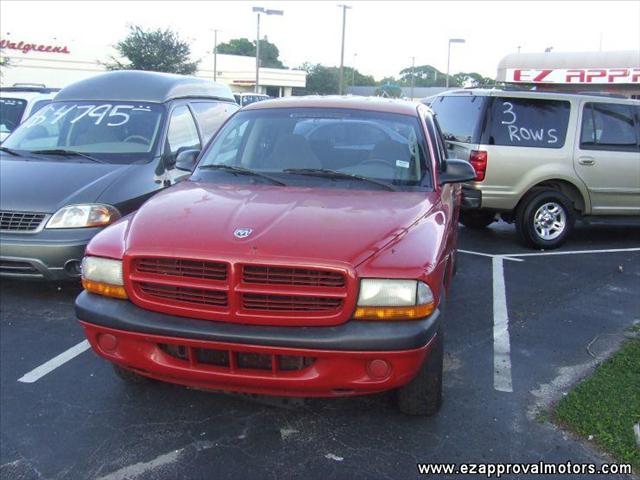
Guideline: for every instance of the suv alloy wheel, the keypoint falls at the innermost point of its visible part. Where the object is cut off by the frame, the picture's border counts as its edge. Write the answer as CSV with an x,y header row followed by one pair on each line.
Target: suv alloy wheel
x,y
544,219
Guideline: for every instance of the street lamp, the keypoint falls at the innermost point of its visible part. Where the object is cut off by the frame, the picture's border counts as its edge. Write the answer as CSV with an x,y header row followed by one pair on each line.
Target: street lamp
x,y
353,70
344,21
451,40
413,75
215,54
266,11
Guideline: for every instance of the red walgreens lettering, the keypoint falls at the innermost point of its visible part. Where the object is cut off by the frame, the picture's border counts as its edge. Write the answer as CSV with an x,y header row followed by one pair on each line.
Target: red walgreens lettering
x,y
28,47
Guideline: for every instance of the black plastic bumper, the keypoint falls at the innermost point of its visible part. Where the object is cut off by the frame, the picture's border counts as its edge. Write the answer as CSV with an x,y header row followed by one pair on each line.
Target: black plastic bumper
x,y
352,335
471,198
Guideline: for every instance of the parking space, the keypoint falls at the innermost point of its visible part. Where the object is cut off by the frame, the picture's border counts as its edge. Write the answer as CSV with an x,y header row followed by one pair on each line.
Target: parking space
x,y
520,329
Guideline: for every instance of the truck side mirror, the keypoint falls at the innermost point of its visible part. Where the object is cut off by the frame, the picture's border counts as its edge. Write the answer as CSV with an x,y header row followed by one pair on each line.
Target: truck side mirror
x,y
457,171
186,160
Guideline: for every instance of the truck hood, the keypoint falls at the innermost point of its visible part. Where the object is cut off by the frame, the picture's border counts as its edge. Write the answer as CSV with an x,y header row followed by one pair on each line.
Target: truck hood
x,y
326,226
39,185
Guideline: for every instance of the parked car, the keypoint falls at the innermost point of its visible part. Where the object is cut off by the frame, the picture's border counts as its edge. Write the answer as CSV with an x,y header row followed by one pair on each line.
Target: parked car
x,y
544,159
96,153
244,99
277,271
19,102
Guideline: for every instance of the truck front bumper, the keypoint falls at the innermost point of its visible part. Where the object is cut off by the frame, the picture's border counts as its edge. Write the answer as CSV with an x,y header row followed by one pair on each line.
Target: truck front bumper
x,y
353,358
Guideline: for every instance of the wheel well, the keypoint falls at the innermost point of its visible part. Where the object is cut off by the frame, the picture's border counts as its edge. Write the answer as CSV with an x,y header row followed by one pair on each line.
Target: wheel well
x,y
567,188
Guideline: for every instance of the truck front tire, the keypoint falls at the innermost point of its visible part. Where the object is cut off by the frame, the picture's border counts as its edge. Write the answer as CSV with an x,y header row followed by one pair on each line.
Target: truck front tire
x,y
423,394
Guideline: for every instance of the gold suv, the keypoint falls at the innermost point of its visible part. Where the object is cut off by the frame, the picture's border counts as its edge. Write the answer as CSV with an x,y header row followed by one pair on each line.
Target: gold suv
x,y
542,160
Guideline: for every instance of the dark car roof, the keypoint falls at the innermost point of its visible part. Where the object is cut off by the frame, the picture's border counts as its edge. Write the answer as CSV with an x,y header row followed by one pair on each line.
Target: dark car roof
x,y
139,86
374,104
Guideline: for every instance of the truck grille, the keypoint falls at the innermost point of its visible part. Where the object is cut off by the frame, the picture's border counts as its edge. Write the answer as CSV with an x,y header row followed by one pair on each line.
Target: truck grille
x,y
20,221
241,293
269,275
289,303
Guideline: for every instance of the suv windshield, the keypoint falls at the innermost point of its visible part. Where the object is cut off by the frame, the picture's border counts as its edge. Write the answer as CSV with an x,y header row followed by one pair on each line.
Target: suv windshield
x,y
111,131
333,146
11,110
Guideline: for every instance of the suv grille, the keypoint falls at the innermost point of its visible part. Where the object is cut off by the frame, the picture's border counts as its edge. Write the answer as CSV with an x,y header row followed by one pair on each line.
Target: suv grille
x,y
20,221
243,293
268,275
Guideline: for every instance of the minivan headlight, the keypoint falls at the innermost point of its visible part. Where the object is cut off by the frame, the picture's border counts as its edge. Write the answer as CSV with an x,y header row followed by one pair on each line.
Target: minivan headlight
x,y
103,276
387,299
82,216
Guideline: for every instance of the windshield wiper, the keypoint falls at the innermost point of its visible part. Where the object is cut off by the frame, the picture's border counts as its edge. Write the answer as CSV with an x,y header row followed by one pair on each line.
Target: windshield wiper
x,y
325,172
10,152
241,171
66,153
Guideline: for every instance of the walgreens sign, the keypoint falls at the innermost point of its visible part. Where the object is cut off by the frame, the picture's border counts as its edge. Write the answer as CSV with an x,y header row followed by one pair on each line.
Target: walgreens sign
x,y
574,75
26,47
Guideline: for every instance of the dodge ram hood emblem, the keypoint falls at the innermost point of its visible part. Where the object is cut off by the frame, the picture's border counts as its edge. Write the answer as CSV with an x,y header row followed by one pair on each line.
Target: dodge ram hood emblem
x,y
242,232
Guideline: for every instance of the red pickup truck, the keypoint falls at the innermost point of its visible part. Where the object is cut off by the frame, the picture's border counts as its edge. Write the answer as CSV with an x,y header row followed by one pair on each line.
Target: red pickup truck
x,y
308,254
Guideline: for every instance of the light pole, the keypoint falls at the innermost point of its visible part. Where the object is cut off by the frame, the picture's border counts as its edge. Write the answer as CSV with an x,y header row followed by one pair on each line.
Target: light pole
x,y
215,55
353,70
413,74
451,40
344,22
266,11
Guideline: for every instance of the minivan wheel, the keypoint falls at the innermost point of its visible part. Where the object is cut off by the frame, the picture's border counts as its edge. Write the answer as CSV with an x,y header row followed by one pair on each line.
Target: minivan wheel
x,y
545,219
423,394
129,376
476,220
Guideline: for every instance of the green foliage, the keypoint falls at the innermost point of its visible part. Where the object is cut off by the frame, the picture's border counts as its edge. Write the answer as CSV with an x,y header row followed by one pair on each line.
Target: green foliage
x,y
472,79
155,50
607,405
269,53
425,76
323,80
4,63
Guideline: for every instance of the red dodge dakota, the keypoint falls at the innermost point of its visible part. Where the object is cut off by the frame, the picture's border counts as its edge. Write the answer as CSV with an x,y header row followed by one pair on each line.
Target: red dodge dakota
x,y
308,254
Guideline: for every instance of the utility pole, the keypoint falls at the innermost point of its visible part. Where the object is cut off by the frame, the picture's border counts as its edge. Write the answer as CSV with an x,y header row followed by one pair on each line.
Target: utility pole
x,y
344,22
353,70
266,11
451,40
215,55
413,74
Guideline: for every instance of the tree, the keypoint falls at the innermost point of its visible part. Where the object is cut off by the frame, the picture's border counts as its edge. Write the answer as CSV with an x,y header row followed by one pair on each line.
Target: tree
x,y
155,50
269,53
425,76
4,63
322,80
472,79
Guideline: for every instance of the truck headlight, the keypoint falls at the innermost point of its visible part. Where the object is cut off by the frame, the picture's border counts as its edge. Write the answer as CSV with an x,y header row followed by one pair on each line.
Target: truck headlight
x,y
386,299
81,216
103,276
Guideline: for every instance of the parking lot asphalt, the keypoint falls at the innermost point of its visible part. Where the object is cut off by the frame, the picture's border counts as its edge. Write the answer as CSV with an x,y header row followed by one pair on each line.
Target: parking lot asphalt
x,y
564,313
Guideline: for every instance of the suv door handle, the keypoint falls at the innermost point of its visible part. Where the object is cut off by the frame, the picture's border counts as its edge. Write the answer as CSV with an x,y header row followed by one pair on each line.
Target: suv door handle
x,y
586,161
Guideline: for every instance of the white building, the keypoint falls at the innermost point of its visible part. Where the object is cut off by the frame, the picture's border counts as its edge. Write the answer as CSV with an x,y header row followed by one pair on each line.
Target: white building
x,y
57,63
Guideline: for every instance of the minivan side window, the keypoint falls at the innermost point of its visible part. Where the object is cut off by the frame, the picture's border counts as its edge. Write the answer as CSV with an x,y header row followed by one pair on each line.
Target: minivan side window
x,y
608,126
182,134
528,122
210,116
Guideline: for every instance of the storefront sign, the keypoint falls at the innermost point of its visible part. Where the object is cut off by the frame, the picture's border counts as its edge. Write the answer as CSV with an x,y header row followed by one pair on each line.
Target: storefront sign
x,y
574,75
26,47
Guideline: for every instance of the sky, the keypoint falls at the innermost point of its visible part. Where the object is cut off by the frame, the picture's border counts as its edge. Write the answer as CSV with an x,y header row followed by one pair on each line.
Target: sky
x,y
381,37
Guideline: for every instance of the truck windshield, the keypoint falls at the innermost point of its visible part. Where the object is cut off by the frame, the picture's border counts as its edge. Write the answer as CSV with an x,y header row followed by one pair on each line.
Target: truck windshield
x,y
111,131
11,110
332,146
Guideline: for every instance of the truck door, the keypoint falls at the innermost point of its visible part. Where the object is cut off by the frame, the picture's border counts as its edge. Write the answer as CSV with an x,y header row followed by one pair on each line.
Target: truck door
x,y
607,157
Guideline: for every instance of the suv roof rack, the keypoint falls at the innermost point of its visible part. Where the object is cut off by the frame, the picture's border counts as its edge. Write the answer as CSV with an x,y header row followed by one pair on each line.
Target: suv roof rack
x,y
29,87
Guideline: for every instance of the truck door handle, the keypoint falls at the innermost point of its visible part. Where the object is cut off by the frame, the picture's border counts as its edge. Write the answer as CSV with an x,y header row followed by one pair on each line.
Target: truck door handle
x,y
586,161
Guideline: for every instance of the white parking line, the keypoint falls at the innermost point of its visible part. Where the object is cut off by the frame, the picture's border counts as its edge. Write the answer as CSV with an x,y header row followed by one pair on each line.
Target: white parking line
x,y
47,367
508,256
482,254
501,342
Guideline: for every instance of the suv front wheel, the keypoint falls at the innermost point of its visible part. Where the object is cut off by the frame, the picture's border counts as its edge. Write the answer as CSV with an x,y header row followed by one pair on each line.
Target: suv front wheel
x,y
544,219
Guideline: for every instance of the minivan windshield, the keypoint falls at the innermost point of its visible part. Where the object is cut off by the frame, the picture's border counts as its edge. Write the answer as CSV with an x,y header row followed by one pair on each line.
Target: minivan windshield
x,y
330,146
115,132
11,110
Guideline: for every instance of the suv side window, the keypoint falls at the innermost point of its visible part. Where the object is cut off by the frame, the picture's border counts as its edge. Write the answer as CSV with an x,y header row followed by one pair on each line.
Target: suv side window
x,y
182,134
210,116
608,126
528,122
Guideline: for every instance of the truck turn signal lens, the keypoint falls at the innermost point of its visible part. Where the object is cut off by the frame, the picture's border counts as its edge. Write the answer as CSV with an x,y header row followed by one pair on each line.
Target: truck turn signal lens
x,y
104,289
394,313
